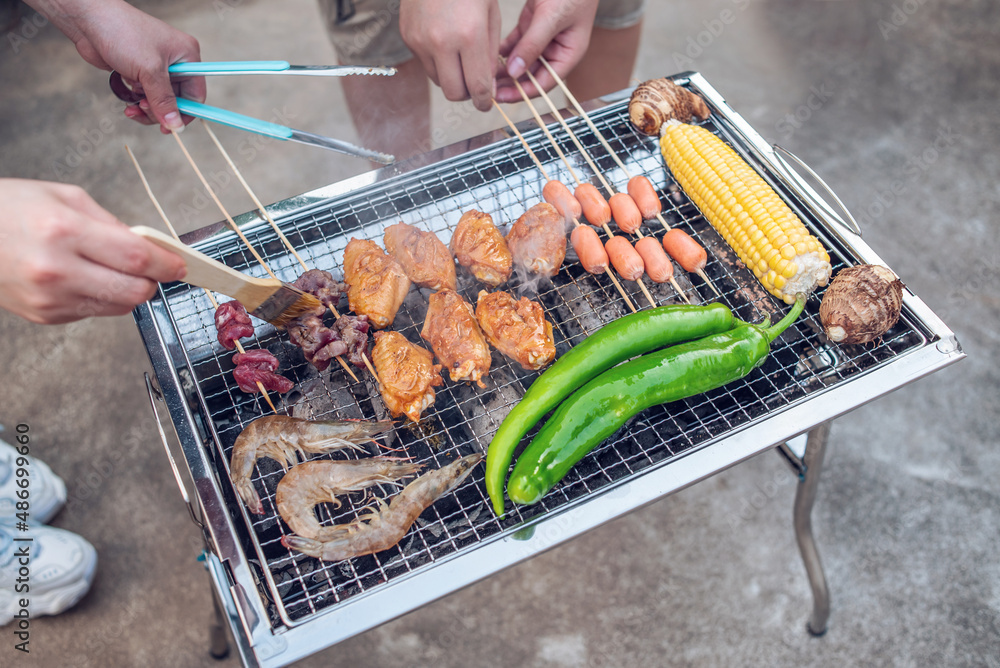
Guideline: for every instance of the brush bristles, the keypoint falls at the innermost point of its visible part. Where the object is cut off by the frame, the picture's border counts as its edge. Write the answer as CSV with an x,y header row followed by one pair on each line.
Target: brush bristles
x,y
305,304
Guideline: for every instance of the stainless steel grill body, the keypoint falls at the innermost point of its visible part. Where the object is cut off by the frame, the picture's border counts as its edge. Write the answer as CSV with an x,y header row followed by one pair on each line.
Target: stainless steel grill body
x,y
285,605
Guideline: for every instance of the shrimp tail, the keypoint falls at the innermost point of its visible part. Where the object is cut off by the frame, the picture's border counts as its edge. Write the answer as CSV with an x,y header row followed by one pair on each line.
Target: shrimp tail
x,y
313,548
249,495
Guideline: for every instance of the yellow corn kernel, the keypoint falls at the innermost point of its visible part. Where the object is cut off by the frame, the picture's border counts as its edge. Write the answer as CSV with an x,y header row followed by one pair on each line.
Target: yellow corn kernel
x,y
767,236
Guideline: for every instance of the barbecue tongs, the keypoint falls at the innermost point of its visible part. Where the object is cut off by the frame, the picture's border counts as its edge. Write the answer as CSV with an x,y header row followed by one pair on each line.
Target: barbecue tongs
x,y
232,119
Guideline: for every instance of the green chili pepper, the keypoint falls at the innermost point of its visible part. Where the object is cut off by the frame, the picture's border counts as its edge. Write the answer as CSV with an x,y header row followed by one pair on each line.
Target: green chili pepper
x,y
615,342
601,407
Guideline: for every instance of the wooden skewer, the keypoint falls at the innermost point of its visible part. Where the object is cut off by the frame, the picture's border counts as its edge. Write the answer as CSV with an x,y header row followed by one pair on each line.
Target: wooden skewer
x,y
541,124
277,230
576,141
545,175
235,228
215,304
600,137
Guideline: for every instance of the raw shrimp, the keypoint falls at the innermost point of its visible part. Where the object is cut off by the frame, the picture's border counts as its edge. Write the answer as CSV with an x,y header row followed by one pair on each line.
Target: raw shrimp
x,y
281,437
312,483
380,530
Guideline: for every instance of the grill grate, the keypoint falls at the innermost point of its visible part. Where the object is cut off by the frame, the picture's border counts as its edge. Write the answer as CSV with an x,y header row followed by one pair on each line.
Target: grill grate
x,y
502,181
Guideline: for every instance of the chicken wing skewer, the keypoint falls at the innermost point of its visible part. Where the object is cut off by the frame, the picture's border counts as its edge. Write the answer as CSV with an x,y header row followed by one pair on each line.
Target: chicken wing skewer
x,y
479,246
518,329
376,283
537,240
426,261
407,372
454,334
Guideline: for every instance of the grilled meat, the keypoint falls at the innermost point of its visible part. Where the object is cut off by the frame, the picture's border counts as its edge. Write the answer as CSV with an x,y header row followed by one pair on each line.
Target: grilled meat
x,y
479,246
259,365
320,344
376,283
407,374
537,240
518,329
232,323
451,329
321,285
426,261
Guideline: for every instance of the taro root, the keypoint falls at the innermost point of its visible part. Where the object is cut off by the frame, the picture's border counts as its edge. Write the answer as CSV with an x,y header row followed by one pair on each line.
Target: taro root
x,y
861,304
657,101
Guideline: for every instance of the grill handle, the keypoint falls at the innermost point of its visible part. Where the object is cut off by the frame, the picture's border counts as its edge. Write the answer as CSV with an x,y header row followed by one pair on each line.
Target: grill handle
x,y
154,396
803,188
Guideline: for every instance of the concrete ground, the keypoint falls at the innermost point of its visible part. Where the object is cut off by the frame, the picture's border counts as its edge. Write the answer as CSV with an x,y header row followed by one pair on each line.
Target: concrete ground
x,y
908,511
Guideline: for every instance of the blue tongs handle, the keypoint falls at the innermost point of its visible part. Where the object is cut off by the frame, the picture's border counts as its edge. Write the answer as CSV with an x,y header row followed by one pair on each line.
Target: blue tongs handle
x,y
232,119
230,67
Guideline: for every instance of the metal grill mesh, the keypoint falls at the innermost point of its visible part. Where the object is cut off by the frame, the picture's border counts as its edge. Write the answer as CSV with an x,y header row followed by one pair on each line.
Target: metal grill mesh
x,y
502,181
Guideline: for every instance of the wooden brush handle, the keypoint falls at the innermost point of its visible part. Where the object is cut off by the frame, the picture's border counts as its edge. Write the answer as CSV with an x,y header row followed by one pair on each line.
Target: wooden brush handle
x,y
205,272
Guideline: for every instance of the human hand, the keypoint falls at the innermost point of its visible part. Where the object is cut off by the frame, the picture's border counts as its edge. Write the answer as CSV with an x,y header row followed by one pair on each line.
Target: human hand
x,y
457,42
556,29
113,35
64,258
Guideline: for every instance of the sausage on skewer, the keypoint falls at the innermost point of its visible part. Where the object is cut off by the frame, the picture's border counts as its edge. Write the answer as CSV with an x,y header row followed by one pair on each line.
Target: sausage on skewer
x,y
658,265
589,249
625,212
595,207
644,195
688,252
625,259
558,195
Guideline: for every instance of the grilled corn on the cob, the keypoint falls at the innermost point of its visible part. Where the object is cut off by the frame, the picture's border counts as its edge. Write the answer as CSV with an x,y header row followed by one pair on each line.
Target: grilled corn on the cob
x,y
764,232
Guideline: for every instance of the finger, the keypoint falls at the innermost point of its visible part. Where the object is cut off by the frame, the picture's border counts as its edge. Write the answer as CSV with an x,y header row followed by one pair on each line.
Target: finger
x,y
161,100
133,112
451,78
146,109
100,290
510,41
190,89
523,21
430,69
80,201
477,65
116,247
552,27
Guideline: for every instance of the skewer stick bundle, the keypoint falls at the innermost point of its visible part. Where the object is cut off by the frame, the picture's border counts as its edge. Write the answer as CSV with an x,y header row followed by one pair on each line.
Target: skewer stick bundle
x,y
281,235
545,175
236,229
597,133
166,221
541,124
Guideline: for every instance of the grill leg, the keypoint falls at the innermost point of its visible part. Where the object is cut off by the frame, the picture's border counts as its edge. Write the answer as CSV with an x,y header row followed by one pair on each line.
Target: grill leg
x,y
805,495
218,641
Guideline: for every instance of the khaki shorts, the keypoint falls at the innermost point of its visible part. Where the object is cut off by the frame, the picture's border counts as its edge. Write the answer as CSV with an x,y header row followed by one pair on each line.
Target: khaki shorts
x,y
366,32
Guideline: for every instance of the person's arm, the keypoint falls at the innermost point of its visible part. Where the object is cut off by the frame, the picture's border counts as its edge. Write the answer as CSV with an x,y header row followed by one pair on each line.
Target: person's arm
x,y
113,35
457,42
64,258
556,29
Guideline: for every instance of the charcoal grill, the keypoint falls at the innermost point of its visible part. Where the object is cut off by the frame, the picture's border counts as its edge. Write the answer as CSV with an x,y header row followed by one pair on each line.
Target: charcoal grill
x,y
281,606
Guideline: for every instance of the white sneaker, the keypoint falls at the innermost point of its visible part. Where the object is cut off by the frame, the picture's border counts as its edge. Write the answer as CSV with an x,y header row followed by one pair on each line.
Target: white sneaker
x,y
47,491
59,568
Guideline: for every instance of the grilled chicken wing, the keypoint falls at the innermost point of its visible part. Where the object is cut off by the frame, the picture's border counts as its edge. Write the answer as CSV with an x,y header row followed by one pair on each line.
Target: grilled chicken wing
x,y
518,329
537,240
407,374
454,334
376,284
479,246
423,257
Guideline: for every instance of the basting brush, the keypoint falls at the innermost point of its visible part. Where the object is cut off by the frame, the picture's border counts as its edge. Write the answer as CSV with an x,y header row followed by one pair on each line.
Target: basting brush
x,y
265,298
